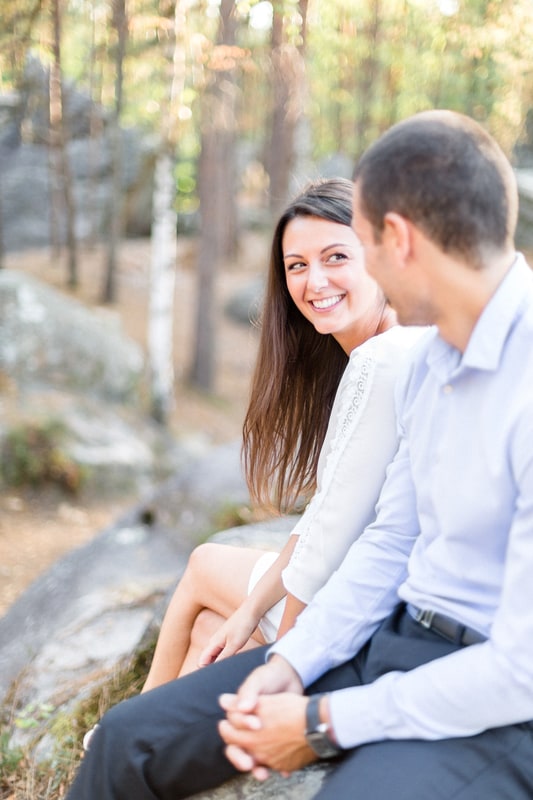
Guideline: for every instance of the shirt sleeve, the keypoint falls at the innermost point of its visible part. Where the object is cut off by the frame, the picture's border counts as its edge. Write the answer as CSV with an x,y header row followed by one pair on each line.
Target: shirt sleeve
x,y
473,689
363,591
361,441
476,688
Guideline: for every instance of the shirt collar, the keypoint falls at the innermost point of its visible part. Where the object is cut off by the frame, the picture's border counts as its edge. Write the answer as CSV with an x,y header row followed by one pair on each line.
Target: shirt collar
x,y
486,343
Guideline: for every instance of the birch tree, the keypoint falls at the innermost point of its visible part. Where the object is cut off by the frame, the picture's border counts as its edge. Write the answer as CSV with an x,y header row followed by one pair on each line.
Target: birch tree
x,y
163,239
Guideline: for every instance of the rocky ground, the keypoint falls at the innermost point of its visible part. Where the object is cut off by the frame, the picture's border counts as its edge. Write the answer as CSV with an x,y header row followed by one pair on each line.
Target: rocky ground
x,y
37,527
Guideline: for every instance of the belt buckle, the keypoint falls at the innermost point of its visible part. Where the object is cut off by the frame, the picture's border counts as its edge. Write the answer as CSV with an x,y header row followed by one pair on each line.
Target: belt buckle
x,y
425,617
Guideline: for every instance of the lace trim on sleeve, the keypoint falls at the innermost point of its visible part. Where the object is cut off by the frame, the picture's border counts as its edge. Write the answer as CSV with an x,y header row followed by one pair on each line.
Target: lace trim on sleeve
x,y
354,394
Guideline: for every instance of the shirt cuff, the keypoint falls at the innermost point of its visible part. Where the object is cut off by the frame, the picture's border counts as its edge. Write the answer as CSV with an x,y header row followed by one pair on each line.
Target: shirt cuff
x,y
302,653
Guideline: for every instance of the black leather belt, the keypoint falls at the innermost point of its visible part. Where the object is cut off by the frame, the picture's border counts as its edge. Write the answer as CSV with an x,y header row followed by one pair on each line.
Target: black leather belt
x,y
445,626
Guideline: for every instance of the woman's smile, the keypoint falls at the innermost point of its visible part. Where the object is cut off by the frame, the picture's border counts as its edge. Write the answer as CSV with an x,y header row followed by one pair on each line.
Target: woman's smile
x,y
326,303
327,280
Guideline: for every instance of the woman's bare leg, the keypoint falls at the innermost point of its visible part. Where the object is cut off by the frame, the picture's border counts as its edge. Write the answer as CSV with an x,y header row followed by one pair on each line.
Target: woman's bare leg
x,y
216,578
206,624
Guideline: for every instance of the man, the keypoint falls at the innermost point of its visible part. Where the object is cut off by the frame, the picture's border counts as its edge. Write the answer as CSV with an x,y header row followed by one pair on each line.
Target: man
x,y
418,653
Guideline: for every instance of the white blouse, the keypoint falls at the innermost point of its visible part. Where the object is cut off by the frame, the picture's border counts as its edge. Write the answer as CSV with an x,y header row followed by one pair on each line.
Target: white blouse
x,y
360,442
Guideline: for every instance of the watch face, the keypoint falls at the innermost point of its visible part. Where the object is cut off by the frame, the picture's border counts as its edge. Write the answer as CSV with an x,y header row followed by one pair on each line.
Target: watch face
x,y
319,742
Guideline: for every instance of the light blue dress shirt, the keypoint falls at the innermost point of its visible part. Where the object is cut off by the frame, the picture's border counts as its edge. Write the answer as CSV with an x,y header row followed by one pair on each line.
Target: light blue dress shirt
x,y
453,533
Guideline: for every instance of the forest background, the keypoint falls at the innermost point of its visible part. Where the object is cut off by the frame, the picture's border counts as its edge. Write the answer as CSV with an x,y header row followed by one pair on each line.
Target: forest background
x,y
243,101
238,103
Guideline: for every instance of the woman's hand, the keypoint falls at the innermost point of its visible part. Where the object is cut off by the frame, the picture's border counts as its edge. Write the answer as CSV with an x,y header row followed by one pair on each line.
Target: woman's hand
x,y
229,639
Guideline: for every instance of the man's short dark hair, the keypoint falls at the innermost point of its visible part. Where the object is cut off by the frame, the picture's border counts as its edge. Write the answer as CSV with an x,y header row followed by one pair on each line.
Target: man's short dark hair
x,y
446,174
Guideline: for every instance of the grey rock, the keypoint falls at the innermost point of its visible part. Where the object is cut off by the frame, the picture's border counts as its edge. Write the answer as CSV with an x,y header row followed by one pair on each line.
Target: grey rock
x,y
118,449
45,337
129,565
93,609
63,363
271,534
79,111
301,785
27,181
24,196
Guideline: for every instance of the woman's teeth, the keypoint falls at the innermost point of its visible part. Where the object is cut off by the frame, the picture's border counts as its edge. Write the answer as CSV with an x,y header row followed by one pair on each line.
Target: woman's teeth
x,y
327,302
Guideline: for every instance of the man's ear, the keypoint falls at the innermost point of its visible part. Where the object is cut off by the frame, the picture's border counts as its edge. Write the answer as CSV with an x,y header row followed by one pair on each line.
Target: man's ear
x,y
397,235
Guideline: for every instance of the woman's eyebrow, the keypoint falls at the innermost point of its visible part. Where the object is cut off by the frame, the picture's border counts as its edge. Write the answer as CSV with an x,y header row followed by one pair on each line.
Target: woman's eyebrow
x,y
327,247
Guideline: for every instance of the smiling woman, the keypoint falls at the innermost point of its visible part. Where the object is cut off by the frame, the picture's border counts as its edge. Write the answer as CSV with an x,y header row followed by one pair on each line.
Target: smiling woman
x,y
320,420
328,283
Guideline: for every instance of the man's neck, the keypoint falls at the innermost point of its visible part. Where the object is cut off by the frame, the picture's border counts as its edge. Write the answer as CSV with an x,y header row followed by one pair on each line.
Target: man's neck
x,y
463,295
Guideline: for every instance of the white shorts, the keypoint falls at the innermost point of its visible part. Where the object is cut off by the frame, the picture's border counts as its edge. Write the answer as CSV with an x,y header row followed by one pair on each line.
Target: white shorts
x,y
271,621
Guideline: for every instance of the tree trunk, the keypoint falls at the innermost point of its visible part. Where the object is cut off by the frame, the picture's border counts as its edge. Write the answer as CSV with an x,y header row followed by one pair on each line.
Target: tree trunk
x,y
164,236
216,180
288,92
109,289
59,147
96,130
2,249
162,287
203,368
368,78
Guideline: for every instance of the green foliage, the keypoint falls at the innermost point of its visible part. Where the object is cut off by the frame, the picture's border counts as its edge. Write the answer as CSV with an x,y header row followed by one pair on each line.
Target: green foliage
x,y
32,454
21,777
32,715
368,64
10,758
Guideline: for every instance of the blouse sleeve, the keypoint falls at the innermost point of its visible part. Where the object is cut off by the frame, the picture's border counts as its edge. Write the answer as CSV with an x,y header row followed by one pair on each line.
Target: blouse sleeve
x,y
361,441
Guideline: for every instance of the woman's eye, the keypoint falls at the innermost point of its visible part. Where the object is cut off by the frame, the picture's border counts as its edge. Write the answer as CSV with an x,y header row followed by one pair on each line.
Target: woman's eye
x,y
296,266
336,257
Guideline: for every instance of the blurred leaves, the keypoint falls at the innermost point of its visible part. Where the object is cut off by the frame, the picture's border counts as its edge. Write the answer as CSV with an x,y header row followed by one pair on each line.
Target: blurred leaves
x,y
32,454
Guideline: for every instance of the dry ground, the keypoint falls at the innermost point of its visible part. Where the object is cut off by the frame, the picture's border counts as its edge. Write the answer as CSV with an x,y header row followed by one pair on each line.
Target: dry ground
x,y
36,528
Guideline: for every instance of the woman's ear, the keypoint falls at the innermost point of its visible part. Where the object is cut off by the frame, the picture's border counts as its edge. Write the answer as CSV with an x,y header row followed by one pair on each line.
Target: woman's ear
x,y
396,235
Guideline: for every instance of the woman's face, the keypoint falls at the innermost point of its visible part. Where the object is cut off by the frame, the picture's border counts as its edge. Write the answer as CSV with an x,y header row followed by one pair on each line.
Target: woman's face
x,y
327,280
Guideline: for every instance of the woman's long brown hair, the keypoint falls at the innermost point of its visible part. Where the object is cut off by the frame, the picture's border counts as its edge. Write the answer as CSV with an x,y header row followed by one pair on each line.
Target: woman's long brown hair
x,y
296,375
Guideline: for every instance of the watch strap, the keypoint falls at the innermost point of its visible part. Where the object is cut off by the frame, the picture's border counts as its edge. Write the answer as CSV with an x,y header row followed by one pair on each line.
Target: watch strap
x,y
316,732
312,713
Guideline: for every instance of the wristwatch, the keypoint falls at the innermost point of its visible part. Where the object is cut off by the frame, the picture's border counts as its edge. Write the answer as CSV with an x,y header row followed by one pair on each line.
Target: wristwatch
x,y
316,732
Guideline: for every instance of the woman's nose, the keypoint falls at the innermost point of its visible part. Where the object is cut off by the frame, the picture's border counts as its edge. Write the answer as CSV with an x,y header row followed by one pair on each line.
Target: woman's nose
x,y
317,278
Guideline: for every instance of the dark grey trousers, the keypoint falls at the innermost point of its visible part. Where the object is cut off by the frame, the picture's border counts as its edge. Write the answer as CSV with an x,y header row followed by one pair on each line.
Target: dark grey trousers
x,y
164,744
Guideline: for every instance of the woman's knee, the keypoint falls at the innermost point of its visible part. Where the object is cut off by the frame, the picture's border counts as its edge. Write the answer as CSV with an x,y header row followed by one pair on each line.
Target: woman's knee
x,y
205,625
201,562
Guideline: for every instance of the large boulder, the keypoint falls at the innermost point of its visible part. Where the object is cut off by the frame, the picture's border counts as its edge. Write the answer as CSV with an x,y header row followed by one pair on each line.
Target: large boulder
x,y
26,180
89,612
69,377
48,339
85,617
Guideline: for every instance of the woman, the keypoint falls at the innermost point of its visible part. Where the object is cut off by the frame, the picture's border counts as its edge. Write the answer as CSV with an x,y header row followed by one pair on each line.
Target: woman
x,y
324,319
321,416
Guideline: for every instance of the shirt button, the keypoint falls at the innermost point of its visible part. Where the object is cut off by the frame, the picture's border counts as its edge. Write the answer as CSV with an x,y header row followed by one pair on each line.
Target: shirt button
x,y
447,389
